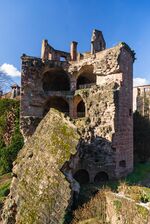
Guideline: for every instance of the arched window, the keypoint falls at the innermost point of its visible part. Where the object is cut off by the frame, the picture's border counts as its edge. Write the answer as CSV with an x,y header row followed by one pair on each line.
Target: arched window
x,y
122,163
85,80
101,177
57,103
82,176
81,109
56,80
86,77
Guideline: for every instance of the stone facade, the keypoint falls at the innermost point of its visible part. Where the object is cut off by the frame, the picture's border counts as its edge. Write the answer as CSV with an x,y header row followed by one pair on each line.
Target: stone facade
x,y
95,90
141,100
13,94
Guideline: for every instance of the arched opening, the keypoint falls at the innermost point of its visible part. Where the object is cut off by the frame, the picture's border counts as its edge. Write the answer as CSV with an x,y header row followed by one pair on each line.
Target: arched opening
x,y
81,109
86,78
101,177
82,177
122,163
56,80
57,103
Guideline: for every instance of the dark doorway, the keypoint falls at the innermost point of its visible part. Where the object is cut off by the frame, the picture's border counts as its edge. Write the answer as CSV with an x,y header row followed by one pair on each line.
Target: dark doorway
x,y
81,109
56,80
82,177
122,163
85,80
57,103
101,177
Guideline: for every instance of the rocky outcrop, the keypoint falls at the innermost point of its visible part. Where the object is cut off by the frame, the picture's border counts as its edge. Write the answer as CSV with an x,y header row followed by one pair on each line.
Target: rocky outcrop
x,y
39,191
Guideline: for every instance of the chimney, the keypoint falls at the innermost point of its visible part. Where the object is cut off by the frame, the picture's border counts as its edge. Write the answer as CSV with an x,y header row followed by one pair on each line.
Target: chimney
x,y
73,51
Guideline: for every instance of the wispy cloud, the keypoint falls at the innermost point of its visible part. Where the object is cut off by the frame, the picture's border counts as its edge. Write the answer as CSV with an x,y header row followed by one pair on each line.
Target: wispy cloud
x,y
9,70
140,81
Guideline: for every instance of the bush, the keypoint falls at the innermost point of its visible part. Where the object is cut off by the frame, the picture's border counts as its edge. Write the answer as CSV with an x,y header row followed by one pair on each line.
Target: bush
x,y
8,152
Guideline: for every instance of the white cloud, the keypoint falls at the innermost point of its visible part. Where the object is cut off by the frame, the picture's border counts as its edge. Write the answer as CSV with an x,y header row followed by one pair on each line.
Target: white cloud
x,y
10,70
140,81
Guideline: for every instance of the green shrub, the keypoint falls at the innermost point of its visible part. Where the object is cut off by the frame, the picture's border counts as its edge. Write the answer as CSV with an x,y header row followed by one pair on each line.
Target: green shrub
x,y
8,152
5,181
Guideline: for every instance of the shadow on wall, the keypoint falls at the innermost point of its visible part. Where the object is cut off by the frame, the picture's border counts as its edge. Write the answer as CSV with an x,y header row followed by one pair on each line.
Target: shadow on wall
x,y
95,167
56,80
57,103
141,138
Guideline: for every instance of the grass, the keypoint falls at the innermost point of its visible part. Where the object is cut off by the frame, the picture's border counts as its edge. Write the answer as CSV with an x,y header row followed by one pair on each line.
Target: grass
x,y
141,171
5,181
131,183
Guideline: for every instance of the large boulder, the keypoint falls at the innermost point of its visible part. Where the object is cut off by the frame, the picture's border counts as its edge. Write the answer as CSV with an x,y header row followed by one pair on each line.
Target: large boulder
x,y
40,192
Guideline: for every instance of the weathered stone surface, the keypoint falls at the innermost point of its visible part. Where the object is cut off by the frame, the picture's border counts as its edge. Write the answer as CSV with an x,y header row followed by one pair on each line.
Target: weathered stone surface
x,y
97,131
96,87
39,191
141,102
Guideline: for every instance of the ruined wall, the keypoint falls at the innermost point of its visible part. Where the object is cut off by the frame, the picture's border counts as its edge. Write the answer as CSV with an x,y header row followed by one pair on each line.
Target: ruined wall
x,y
97,130
109,114
97,96
141,100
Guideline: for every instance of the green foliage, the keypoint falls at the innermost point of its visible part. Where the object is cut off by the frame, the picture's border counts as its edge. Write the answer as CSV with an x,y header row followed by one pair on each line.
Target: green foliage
x,y
141,171
142,211
141,137
118,205
4,186
9,152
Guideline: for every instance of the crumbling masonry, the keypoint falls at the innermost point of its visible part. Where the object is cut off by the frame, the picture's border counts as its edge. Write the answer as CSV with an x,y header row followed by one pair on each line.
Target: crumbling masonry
x,y
95,90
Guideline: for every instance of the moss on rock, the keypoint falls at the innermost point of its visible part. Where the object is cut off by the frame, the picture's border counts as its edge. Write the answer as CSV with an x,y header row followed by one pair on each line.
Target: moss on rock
x,y
39,189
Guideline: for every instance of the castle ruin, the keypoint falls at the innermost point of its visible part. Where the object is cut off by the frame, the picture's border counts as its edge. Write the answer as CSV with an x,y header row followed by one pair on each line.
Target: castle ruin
x,y
95,90
141,100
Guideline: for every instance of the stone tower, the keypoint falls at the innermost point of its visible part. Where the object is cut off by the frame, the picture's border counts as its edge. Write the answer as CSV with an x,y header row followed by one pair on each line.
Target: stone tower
x,y
141,100
95,90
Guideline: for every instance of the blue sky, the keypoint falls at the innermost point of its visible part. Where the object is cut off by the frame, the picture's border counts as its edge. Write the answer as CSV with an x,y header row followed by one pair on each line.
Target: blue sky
x,y
24,23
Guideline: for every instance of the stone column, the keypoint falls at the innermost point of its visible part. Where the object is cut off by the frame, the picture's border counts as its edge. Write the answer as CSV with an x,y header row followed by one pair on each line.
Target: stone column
x,y
73,51
73,83
92,47
17,91
13,93
44,50
71,108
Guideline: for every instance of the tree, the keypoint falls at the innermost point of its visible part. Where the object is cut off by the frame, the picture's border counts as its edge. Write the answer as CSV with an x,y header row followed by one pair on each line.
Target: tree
x,y
5,82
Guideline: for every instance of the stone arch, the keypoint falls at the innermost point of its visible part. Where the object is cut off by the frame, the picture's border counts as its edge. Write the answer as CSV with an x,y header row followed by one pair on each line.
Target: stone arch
x,y
82,176
86,77
58,103
101,177
79,106
56,80
122,163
